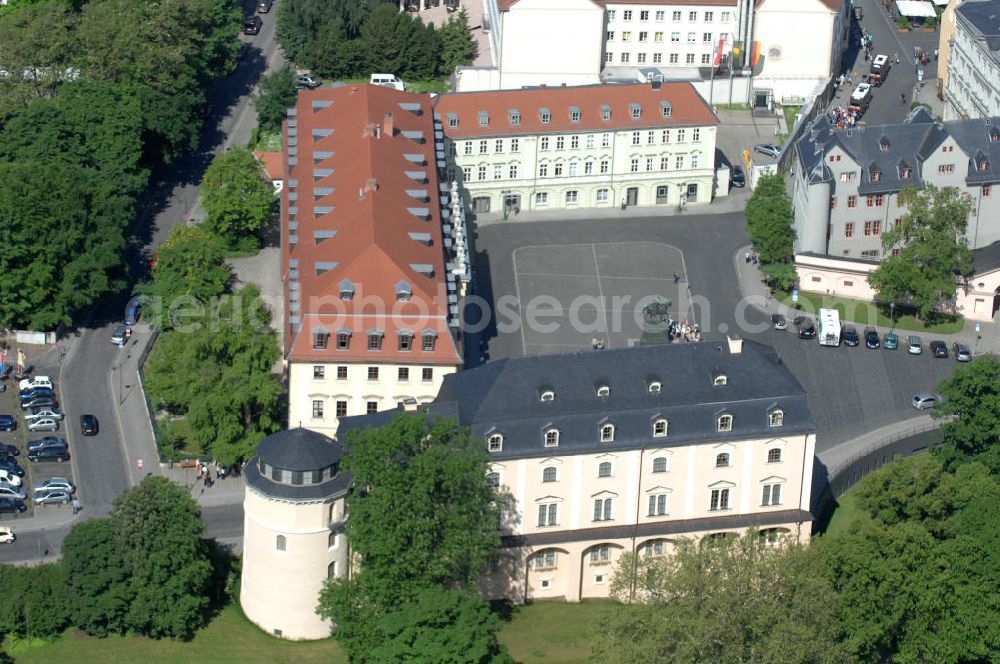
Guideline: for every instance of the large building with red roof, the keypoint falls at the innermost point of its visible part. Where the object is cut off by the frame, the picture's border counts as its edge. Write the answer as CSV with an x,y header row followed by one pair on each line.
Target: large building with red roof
x,y
580,147
374,254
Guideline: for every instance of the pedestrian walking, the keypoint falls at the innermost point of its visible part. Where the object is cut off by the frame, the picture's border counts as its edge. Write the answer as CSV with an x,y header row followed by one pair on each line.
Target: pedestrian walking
x,y
677,277
902,98
76,506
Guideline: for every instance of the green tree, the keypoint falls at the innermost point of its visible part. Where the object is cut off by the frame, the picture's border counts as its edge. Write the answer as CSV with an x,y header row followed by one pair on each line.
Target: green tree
x,y
442,626
96,584
218,373
238,201
400,43
932,251
278,93
428,521
971,409
457,45
35,602
769,223
189,264
299,21
731,600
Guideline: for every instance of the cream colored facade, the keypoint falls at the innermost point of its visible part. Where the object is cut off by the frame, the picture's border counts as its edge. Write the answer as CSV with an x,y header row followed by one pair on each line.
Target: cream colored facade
x,y
645,167
657,496
972,83
319,393
667,34
290,548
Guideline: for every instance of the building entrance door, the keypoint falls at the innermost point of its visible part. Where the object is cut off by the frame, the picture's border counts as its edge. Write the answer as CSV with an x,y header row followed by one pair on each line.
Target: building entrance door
x,y
481,204
632,196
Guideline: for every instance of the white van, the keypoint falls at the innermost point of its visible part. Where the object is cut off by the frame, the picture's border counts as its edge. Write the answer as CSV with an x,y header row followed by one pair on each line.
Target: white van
x,y
388,80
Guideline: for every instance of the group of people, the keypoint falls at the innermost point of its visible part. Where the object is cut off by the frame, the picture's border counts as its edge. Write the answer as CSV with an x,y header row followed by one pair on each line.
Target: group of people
x,y
866,44
920,57
204,469
844,117
684,331
751,257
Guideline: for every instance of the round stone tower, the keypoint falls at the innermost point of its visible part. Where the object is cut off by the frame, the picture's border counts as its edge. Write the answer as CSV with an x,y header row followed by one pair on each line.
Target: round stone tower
x,y
293,537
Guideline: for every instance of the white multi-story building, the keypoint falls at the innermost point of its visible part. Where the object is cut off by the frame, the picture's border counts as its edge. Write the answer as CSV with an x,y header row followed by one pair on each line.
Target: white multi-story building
x,y
590,146
972,87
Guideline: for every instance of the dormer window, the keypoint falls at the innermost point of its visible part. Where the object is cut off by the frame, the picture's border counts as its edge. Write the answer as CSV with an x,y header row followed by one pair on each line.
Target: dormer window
x,y
635,110
375,339
405,340
608,433
404,291
346,290
551,438
725,423
343,339
876,174
660,428
484,118
452,120
428,338
655,387
884,144
605,113
544,115
982,165
320,339
494,442
603,391
665,109
574,114
720,379
514,117
722,460
994,134
776,418
904,172
548,395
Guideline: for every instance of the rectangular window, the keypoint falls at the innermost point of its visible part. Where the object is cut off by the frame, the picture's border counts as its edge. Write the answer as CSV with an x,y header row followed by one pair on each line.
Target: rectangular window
x,y
574,141
771,495
876,228
512,172
542,198
675,16
602,509
681,136
482,172
604,166
543,170
610,35
946,168
483,147
341,409
498,146
609,57
317,409
849,230
675,37
665,136
588,168
657,58
679,163
649,164
319,372
371,407
514,145
658,505
709,16
720,500
372,373
725,17
660,15
403,374
696,134
673,58
558,170
692,16
497,172
640,58
467,148
644,15
643,36
692,37
650,138
847,177
466,173
634,165
560,142
852,201
320,339
694,160
605,140
427,374
548,514
572,197
658,37
636,138
341,373
626,36
627,15
706,59
706,38
611,15
664,163
590,140
602,195
868,228
833,202
543,143
689,58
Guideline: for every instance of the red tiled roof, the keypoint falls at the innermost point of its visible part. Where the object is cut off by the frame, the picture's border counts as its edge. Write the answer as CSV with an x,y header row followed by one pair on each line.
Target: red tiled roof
x,y
271,162
686,108
363,212
504,5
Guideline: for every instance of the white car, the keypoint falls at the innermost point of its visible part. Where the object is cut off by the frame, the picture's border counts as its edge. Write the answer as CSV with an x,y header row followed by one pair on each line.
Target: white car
x,y
8,491
10,478
387,80
926,400
32,383
43,412
55,483
7,535
52,496
44,424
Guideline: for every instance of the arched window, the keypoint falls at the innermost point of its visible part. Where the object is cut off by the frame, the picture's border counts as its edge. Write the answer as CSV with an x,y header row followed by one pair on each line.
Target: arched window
x,y
604,469
660,428
720,380
774,455
331,570
654,548
603,391
552,438
660,465
722,460
549,474
548,395
607,433
725,423
280,543
331,540
493,480
495,442
777,418
655,387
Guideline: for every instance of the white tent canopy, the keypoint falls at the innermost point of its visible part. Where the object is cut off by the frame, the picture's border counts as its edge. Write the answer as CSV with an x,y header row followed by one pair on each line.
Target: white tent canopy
x,y
940,3
915,9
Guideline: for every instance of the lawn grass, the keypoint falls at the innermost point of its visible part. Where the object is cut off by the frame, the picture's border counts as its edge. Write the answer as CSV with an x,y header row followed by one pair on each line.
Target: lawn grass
x,y
846,515
869,313
268,141
551,632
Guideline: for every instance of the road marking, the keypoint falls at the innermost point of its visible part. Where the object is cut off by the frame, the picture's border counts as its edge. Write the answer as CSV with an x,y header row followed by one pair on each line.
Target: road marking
x,y
523,315
600,290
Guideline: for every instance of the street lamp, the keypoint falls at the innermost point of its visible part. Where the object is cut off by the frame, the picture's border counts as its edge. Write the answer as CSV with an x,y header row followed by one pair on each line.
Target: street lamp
x,y
892,315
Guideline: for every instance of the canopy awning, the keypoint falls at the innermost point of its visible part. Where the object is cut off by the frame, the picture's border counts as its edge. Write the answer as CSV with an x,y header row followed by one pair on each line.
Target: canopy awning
x,y
915,9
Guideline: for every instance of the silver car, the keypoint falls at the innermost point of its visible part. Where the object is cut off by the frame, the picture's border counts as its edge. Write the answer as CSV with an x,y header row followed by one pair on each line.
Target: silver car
x,y
8,491
44,424
44,412
926,400
49,496
62,483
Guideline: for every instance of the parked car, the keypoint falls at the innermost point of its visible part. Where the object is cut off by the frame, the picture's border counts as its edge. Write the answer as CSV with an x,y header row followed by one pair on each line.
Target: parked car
x,y
770,149
264,6
736,177
11,491
850,335
962,352
12,466
50,496
387,80
10,477
47,441
118,335
939,348
871,338
7,535
9,450
890,341
308,81
38,402
36,392
926,400
44,424
807,329
7,423
88,425
49,454
251,25
48,411
134,307
914,345
55,483
779,322
37,381
11,506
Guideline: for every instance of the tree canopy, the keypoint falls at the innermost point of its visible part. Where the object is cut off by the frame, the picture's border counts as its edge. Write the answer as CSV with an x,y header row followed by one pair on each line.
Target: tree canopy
x,y
278,93
933,253
769,223
238,201
972,409
457,45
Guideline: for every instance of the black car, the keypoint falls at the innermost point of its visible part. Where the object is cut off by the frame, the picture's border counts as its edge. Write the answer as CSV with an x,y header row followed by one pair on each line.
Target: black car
x,y
36,402
251,25
939,349
7,423
11,505
9,450
88,425
47,441
851,337
736,177
49,454
871,338
807,330
12,466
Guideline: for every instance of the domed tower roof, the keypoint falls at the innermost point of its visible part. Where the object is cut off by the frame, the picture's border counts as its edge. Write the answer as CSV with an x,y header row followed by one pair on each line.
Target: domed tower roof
x,y
298,465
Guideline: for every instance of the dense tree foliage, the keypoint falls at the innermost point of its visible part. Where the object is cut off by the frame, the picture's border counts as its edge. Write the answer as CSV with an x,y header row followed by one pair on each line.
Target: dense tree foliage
x,y
217,371
932,249
457,45
972,411
143,570
238,201
769,223
34,604
278,93
422,521
728,600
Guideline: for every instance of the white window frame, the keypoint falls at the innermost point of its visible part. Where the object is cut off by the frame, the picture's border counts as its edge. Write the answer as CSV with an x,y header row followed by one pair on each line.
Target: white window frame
x,y
550,437
661,427
494,442
607,433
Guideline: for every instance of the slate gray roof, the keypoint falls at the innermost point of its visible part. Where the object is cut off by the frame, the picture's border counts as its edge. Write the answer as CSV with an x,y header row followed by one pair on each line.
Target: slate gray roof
x,y
299,449
505,397
885,148
984,17
335,486
986,259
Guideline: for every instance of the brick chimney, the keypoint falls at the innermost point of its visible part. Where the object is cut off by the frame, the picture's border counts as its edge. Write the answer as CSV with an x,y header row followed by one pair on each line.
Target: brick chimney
x,y
389,125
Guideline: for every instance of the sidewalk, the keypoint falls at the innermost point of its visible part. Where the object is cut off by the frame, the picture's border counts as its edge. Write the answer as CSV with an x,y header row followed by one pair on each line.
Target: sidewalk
x,y
840,456
134,418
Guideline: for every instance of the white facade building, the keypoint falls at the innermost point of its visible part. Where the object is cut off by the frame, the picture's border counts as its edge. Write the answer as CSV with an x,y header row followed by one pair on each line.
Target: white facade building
x,y
591,146
972,87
